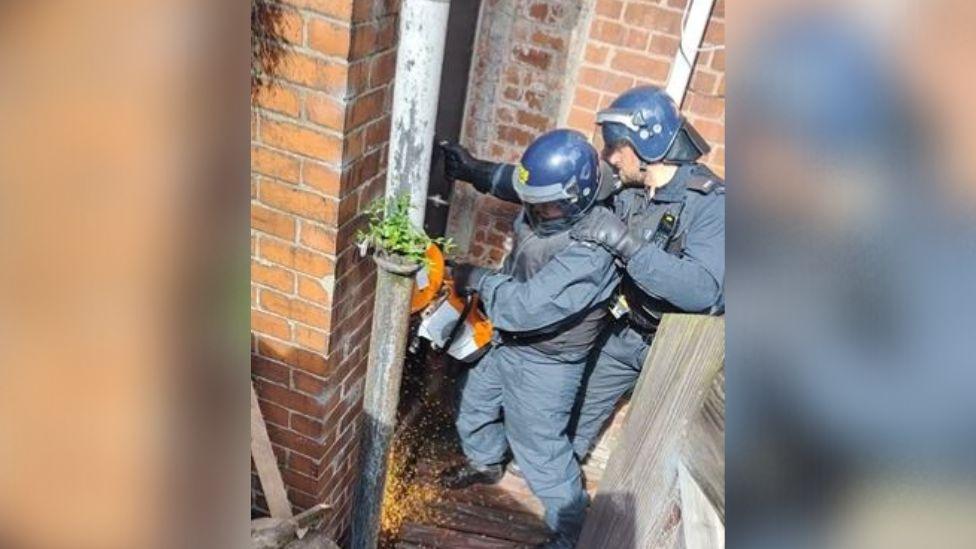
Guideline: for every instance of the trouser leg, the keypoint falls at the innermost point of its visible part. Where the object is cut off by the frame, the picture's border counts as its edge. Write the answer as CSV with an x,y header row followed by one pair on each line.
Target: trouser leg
x,y
538,401
613,370
479,421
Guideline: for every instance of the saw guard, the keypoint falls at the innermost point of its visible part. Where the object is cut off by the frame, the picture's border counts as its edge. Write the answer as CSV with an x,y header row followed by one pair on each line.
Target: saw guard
x,y
433,275
442,307
440,326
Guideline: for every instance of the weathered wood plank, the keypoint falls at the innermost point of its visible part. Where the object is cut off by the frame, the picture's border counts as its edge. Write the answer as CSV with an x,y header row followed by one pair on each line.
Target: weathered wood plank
x,y
700,523
714,408
266,463
631,508
433,536
672,536
477,519
510,493
271,533
704,449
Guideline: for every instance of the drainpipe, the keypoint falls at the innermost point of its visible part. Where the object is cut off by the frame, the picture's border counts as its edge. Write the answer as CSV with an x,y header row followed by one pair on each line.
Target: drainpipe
x,y
420,56
692,31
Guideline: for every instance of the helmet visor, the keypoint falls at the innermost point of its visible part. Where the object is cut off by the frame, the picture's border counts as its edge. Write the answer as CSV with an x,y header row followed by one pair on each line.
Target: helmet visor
x,y
625,117
536,194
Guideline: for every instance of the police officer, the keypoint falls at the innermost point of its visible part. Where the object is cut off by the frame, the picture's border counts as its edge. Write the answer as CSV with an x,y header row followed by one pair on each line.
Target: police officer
x,y
548,304
667,232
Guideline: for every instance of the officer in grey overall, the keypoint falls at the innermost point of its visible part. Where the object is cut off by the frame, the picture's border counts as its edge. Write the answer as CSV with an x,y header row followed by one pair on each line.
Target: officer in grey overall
x,y
548,304
667,232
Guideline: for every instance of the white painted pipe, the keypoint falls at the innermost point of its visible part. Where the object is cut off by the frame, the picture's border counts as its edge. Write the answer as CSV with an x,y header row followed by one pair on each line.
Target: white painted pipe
x,y
420,56
696,20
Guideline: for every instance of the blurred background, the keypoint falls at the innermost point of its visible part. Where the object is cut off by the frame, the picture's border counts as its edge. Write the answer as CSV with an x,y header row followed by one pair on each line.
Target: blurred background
x,y
124,280
124,274
850,285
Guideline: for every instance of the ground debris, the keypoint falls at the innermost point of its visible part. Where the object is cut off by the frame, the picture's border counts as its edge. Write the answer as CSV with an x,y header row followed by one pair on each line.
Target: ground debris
x,y
417,511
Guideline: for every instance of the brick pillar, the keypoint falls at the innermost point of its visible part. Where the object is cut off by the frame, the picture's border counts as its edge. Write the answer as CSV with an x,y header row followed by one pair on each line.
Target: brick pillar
x,y
319,145
514,95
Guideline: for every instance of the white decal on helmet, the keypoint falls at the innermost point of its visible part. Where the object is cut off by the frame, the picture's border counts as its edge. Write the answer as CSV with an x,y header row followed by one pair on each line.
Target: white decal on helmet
x,y
574,155
585,172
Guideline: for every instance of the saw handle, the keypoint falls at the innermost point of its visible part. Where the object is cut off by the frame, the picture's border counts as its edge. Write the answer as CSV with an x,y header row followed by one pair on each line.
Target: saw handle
x,y
468,305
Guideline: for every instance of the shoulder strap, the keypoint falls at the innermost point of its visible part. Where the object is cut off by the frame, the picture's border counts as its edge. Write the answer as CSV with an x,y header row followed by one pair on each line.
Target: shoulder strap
x,y
704,181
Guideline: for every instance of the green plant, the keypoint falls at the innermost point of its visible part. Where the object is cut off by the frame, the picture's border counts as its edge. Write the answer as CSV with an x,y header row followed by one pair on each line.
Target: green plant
x,y
391,231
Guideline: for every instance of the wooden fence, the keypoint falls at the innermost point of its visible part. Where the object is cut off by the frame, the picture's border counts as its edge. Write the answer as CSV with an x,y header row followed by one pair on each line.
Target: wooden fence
x,y
665,481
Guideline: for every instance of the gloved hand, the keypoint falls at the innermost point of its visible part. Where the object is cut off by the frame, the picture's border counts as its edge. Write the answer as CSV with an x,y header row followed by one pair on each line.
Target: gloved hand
x,y
459,164
603,227
467,277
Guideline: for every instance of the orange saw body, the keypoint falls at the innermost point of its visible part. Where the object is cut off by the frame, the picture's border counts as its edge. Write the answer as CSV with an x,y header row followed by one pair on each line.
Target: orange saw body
x,y
442,309
429,280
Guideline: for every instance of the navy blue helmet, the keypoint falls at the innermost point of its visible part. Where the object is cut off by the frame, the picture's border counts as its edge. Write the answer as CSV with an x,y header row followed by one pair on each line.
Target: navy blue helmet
x,y
647,118
557,180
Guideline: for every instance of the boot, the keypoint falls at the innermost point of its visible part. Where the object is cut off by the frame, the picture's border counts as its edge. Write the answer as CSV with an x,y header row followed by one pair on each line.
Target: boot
x,y
466,475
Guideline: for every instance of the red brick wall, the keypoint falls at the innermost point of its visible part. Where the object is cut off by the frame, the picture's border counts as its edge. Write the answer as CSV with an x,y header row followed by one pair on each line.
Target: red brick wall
x,y
632,43
514,94
618,44
319,136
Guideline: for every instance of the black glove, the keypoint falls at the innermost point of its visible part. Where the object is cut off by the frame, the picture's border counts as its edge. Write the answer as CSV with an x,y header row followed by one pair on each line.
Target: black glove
x,y
603,227
467,277
459,164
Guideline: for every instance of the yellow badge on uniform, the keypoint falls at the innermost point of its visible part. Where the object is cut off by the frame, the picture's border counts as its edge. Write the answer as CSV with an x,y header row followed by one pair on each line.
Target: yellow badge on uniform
x,y
523,175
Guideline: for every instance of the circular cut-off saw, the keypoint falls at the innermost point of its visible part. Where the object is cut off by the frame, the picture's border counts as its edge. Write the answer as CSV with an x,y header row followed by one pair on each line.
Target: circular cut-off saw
x,y
451,322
